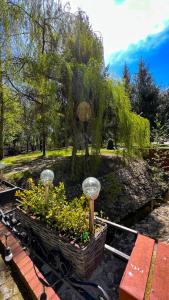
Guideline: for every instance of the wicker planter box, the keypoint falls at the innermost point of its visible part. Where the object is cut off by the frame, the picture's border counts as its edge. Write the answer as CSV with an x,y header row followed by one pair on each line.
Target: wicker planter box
x,y
84,260
8,195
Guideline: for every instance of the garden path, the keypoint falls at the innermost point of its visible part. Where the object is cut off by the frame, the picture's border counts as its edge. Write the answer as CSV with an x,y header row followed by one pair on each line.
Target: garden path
x,y
156,224
8,287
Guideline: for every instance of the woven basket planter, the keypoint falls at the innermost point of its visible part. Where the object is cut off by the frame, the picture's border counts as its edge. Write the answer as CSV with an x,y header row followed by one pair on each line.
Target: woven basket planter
x,y
84,259
8,195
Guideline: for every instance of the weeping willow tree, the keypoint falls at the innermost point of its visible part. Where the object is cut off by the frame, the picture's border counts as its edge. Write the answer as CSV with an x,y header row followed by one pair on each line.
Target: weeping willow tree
x,y
96,89
58,66
131,129
82,82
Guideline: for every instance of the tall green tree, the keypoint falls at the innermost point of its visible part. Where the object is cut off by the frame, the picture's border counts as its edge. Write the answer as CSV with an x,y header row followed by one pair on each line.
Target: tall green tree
x,y
131,129
164,106
127,81
12,117
82,81
163,112
9,26
146,94
39,64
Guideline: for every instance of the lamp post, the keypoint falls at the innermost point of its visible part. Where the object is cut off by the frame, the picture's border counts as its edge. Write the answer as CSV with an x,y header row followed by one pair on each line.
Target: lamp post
x,y
2,166
91,188
47,177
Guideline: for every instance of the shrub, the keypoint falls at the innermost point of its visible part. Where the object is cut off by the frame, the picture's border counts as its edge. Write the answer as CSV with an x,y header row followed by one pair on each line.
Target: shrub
x,y
70,218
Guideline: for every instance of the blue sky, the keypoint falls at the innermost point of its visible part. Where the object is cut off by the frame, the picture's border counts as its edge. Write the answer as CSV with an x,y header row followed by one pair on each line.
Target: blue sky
x,y
155,52
131,29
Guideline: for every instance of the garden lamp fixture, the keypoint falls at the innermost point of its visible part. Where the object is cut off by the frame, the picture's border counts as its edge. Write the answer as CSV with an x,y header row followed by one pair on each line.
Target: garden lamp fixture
x,y
2,166
91,188
8,252
47,177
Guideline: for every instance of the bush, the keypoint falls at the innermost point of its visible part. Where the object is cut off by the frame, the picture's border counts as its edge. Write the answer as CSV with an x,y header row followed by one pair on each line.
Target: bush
x,y
70,218
110,145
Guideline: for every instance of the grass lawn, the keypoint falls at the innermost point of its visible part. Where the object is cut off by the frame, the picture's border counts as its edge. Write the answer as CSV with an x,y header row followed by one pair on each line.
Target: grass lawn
x,y
24,165
28,157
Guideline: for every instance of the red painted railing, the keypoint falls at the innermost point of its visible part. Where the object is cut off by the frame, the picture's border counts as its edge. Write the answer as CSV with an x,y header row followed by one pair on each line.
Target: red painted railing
x,y
146,276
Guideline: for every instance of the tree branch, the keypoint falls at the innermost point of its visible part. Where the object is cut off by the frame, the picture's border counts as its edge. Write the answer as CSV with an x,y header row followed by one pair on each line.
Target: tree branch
x,y
29,96
28,14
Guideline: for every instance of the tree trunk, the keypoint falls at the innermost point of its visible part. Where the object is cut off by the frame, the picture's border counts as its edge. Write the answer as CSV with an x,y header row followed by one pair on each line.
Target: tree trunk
x,y
1,114
44,141
74,152
86,140
43,111
43,129
27,146
40,144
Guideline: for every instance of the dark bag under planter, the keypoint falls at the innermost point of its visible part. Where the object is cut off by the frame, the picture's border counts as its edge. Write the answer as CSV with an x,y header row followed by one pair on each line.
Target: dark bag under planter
x,y
8,194
84,259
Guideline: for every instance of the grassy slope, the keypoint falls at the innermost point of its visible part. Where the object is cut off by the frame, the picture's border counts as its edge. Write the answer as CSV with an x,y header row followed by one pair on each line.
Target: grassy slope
x,y
18,166
28,157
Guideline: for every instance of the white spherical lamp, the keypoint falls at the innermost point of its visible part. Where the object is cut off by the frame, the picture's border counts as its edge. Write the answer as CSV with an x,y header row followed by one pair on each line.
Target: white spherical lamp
x,y
91,188
47,176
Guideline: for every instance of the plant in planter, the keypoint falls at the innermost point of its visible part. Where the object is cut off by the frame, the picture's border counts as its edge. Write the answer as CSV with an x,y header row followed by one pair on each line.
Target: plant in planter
x,y
63,224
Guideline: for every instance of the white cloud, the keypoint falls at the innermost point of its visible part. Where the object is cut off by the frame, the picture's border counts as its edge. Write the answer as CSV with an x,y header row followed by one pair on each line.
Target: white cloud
x,y
135,51
124,24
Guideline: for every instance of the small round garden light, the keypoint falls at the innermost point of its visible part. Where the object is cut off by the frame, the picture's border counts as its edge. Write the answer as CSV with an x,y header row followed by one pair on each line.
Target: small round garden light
x,y
2,166
47,177
91,188
8,252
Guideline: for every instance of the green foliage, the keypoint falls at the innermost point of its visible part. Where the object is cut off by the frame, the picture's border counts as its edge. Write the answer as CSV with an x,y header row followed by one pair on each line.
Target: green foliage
x,y
113,187
59,63
82,80
69,218
127,81
163,115
160,131
159,176
132,130
12,125
146,94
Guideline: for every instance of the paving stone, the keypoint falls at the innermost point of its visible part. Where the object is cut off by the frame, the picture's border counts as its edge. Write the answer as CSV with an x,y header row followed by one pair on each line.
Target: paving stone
x,y
16,297
8,287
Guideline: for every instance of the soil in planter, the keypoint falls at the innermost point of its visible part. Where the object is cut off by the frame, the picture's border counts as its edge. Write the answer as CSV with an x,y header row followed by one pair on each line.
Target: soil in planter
x,y
6,204
3,187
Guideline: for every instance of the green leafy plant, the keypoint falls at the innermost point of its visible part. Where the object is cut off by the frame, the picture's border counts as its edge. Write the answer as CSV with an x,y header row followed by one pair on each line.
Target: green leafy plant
x,y
70,218
159,132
